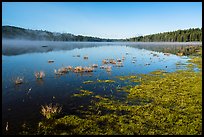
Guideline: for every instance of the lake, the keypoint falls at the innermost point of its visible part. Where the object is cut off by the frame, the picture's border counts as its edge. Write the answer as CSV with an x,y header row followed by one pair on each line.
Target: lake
x,y
21,103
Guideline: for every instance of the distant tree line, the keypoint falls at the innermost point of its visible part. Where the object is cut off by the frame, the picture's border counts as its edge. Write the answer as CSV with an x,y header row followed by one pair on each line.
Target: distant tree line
x,y
12,32
189,35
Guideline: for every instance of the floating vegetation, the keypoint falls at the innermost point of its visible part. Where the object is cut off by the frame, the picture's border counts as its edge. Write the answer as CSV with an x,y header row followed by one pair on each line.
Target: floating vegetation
x,y
50,61
83,93
39,75
50,111
119,64
80,69
95,65
85,57
108,69
18,80
180,64
87,82
62,70
158,72
126,77
119,60
167,54
105,81
112,61
105,61
44,46
197,61
147,64
170,105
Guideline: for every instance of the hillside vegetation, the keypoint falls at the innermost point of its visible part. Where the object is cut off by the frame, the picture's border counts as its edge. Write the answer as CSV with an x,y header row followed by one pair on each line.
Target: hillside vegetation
x,y
11,32
188,35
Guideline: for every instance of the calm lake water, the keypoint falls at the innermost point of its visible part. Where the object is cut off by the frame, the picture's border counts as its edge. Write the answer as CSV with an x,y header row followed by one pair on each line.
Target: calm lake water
x,y
21,103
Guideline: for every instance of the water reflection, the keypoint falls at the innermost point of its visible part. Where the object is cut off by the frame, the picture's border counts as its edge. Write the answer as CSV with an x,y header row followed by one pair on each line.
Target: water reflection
x,y
18,47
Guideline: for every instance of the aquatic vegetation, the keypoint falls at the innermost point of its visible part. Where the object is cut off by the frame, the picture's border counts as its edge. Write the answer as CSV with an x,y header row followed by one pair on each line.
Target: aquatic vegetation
x,y
83,93
105,81
87,82
119,60
197,61
88,69
158,72
50,61
167,54
119,64
126,77
95,65
58,72
18,80
50,111
80,69
85,57
105,61
39,75
161,104
62,70
112,61
108,69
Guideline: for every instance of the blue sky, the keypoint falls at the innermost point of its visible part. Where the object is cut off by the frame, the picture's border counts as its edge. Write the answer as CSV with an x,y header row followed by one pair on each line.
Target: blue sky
x,y
103,19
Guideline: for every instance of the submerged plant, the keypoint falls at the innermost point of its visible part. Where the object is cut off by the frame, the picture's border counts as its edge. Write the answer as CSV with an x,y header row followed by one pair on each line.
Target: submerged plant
x,y
50,111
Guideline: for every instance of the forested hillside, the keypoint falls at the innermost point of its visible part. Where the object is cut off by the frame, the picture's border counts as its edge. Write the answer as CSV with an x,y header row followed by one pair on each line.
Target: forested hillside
x,y
189,35
11,32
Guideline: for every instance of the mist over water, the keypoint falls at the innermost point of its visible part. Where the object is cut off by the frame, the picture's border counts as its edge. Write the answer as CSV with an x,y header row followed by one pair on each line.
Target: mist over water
x,y
17,47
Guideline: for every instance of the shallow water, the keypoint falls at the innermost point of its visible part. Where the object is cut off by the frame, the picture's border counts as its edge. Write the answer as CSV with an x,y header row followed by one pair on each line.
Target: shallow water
x,y
19,105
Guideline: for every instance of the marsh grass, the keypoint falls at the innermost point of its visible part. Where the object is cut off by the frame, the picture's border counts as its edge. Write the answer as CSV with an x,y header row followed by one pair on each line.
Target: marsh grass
x,y
50,111
39,75
18,80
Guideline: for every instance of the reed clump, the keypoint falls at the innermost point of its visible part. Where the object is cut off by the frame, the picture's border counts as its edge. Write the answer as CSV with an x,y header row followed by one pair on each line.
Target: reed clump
x,y
50,111
39,75
18,80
